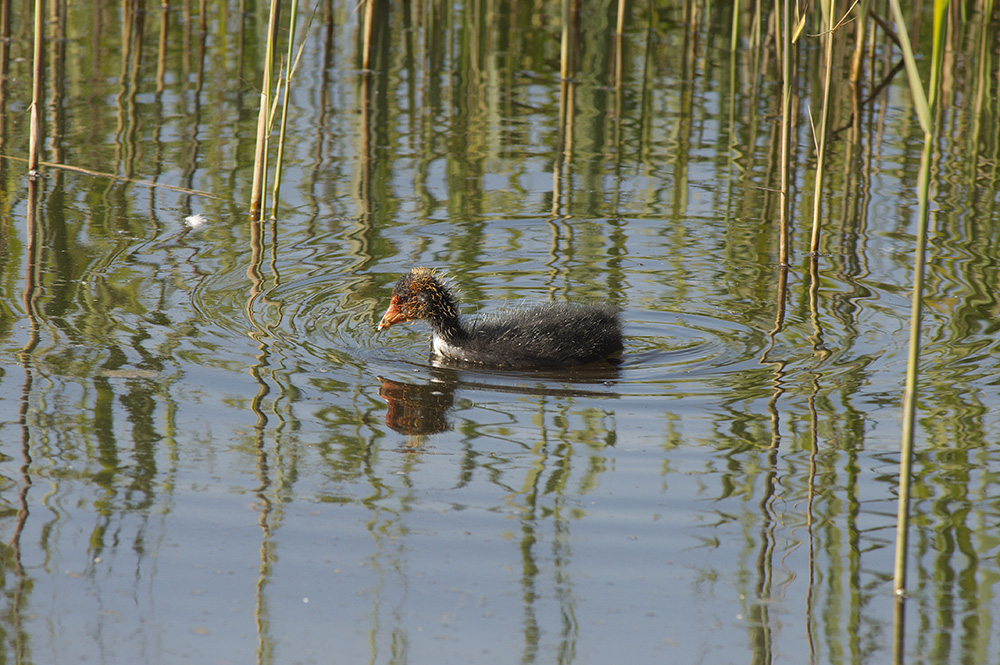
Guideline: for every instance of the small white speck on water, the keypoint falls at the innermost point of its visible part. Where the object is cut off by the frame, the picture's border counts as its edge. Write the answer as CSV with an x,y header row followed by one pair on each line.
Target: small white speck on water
x,y
195,221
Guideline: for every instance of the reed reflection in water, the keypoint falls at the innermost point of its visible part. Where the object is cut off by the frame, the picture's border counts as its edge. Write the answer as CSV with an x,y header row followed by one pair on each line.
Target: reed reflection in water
x,y
211,455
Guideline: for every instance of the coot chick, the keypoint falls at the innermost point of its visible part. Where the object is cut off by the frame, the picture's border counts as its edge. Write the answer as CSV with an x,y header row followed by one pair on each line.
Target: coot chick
x,y
550,335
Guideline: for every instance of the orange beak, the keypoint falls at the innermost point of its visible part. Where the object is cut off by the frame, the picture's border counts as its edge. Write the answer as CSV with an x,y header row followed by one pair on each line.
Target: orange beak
x,y
392,315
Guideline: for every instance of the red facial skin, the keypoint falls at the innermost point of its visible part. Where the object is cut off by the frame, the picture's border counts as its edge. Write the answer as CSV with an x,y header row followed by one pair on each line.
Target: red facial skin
x,y
393,315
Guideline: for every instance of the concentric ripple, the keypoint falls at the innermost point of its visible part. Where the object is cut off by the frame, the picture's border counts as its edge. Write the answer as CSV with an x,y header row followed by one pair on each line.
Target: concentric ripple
x,y
327,320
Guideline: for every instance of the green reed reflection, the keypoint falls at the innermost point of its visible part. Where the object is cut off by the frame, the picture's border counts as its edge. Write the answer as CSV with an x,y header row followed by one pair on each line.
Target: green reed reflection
x,y
209,446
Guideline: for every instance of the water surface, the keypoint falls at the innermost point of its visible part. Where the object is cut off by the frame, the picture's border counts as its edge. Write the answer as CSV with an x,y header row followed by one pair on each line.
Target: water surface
x,y
210,455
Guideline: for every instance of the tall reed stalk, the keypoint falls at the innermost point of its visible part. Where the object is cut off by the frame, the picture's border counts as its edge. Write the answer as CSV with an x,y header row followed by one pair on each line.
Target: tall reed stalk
x,y
289,69
820,135
263,118
568,50
785,34
35,136
367,35
923,110
861,21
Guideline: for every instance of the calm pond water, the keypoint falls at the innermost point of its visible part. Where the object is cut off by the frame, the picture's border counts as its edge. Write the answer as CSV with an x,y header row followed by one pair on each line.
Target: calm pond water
x,y
210,456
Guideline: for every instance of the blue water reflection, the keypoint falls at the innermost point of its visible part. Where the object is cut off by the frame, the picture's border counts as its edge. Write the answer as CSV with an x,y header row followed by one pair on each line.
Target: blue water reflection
x,y
212,456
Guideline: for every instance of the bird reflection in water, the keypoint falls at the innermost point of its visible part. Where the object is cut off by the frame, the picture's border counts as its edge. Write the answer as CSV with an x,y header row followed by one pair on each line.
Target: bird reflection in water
x,y
416,409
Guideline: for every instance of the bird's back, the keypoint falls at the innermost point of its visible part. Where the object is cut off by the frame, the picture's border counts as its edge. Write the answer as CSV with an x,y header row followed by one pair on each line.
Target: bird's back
x,y
544,336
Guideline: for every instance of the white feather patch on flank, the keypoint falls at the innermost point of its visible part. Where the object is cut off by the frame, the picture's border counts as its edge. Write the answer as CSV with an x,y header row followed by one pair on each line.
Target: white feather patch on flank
x,y
444,349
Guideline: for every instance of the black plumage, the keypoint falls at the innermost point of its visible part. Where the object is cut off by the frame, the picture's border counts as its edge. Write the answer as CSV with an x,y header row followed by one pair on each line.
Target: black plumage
x,y
549,335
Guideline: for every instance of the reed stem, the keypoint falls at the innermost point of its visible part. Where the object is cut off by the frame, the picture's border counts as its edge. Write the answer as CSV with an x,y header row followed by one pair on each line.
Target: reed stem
x,y
916,87
284,108
785,34
821,134
35,135
263,117
910,394
369,26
